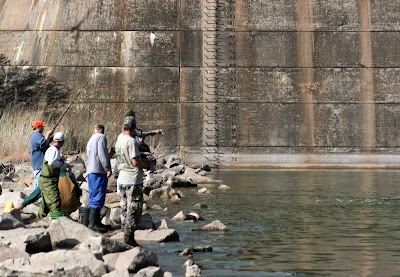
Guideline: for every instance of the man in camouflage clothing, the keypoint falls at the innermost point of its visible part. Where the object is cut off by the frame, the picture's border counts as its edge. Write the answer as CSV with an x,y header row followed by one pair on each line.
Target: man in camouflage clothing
x,y
130,180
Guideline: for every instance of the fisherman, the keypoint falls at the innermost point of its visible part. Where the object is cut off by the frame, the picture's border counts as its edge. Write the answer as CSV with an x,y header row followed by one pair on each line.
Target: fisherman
x,y
138,133
48,181
99,170
36,194
38,146
147,157
130,180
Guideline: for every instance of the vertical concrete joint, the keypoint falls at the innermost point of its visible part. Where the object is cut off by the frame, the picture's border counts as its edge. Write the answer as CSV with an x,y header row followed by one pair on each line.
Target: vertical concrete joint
x,y
305,51
367,95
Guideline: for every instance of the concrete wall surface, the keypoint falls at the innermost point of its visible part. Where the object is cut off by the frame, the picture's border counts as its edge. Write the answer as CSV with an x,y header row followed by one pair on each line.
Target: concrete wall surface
x,y
288,83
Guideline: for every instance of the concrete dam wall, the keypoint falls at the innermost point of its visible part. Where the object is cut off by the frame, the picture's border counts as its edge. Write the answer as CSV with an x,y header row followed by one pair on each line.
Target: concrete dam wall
x,y
307,83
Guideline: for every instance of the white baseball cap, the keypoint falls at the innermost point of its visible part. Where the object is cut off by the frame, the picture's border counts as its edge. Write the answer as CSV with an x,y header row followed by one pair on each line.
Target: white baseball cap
x,y
59,136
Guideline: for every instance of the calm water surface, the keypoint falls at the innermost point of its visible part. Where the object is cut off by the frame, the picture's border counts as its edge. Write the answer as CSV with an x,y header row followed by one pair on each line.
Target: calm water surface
x,y
311,223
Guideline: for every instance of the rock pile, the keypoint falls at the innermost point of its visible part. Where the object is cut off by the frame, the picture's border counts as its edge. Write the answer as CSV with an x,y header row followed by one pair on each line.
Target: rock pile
x,y
64,247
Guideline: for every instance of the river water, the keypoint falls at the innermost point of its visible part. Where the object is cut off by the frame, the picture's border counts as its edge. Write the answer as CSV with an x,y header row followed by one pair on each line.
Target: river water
x,y
303,222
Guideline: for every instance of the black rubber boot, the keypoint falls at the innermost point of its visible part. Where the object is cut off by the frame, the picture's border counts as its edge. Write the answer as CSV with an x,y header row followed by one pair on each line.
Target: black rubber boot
x,y
84,216
129,238
94,220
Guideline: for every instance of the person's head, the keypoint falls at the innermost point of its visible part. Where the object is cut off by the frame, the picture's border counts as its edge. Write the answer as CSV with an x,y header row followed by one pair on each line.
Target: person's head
x,y
38,126
129,124
141,139
130,113
99,128
58,139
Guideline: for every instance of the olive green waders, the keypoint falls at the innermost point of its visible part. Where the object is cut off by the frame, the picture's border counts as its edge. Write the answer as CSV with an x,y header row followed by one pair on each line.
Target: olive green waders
x,y
48,182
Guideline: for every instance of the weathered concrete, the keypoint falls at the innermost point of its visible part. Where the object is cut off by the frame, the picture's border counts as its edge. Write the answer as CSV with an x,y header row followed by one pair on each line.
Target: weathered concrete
x,y
274,83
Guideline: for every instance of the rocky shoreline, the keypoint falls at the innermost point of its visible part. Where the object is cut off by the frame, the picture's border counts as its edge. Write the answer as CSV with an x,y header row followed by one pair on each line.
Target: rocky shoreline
x,y
31,247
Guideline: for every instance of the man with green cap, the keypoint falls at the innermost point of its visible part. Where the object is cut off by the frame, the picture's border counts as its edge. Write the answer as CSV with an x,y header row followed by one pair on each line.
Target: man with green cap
x,y
130,180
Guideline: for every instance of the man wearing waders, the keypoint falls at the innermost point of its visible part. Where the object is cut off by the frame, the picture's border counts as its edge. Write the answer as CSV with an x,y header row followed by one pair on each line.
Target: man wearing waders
x,y
130,180
38,146
48,181
99,170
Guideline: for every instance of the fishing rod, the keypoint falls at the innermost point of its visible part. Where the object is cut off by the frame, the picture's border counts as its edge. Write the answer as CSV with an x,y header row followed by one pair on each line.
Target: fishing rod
x,y
177,150
72,102
170,129
167,130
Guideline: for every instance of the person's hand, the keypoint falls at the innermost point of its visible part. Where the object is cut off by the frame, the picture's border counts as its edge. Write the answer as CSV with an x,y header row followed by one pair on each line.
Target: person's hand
x,y
159,131
20,207
50,132
109,174
68,168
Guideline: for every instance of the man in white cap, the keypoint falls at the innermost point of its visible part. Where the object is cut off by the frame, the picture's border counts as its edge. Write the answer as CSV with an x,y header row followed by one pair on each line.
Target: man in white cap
x,y
53,164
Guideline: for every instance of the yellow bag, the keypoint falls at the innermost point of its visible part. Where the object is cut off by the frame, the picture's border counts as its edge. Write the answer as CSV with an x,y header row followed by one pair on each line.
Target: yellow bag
x,y
69,200
9,207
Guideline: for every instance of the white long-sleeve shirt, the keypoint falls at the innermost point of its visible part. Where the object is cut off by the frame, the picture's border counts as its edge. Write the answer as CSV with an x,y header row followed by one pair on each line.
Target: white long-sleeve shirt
x,y
53,157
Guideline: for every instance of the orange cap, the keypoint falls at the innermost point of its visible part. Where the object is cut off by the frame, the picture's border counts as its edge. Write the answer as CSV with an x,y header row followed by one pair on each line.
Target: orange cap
x,y
37,124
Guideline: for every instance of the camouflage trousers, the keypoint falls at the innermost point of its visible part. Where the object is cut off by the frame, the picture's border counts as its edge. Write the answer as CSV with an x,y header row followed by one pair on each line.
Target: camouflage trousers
x,y
131,206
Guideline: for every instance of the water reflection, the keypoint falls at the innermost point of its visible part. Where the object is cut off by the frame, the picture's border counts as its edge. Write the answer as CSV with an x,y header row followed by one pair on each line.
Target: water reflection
x,y
313,223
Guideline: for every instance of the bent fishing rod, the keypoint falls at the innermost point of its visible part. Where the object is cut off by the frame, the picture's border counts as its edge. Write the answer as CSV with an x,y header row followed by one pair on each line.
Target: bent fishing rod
x,y
167,130
193,123
73,101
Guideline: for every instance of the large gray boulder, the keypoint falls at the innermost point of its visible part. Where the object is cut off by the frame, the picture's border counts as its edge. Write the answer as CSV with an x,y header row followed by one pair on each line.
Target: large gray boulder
x,y
181,181
160,235
111,259
11,253
36,243
11,220
146,222
135,259
67,260
151,271
14,186
19,264
66,233
118,273
100,246
18,238
23,171
15,273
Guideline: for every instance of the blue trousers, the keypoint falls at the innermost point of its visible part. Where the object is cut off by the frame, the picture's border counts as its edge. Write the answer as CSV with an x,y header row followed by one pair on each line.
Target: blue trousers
x,y
97,190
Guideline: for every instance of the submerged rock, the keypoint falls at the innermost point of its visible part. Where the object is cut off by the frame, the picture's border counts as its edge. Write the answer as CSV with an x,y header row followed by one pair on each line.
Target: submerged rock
x,y
213,227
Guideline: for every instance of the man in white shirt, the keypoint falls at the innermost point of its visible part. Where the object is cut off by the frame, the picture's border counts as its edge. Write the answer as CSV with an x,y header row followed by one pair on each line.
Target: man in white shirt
x,y
53,164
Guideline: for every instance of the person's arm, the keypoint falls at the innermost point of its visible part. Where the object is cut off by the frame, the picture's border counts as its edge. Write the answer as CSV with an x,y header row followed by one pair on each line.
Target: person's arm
x,y
134,155
48,137
137,162
103,155
143,134
31,198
